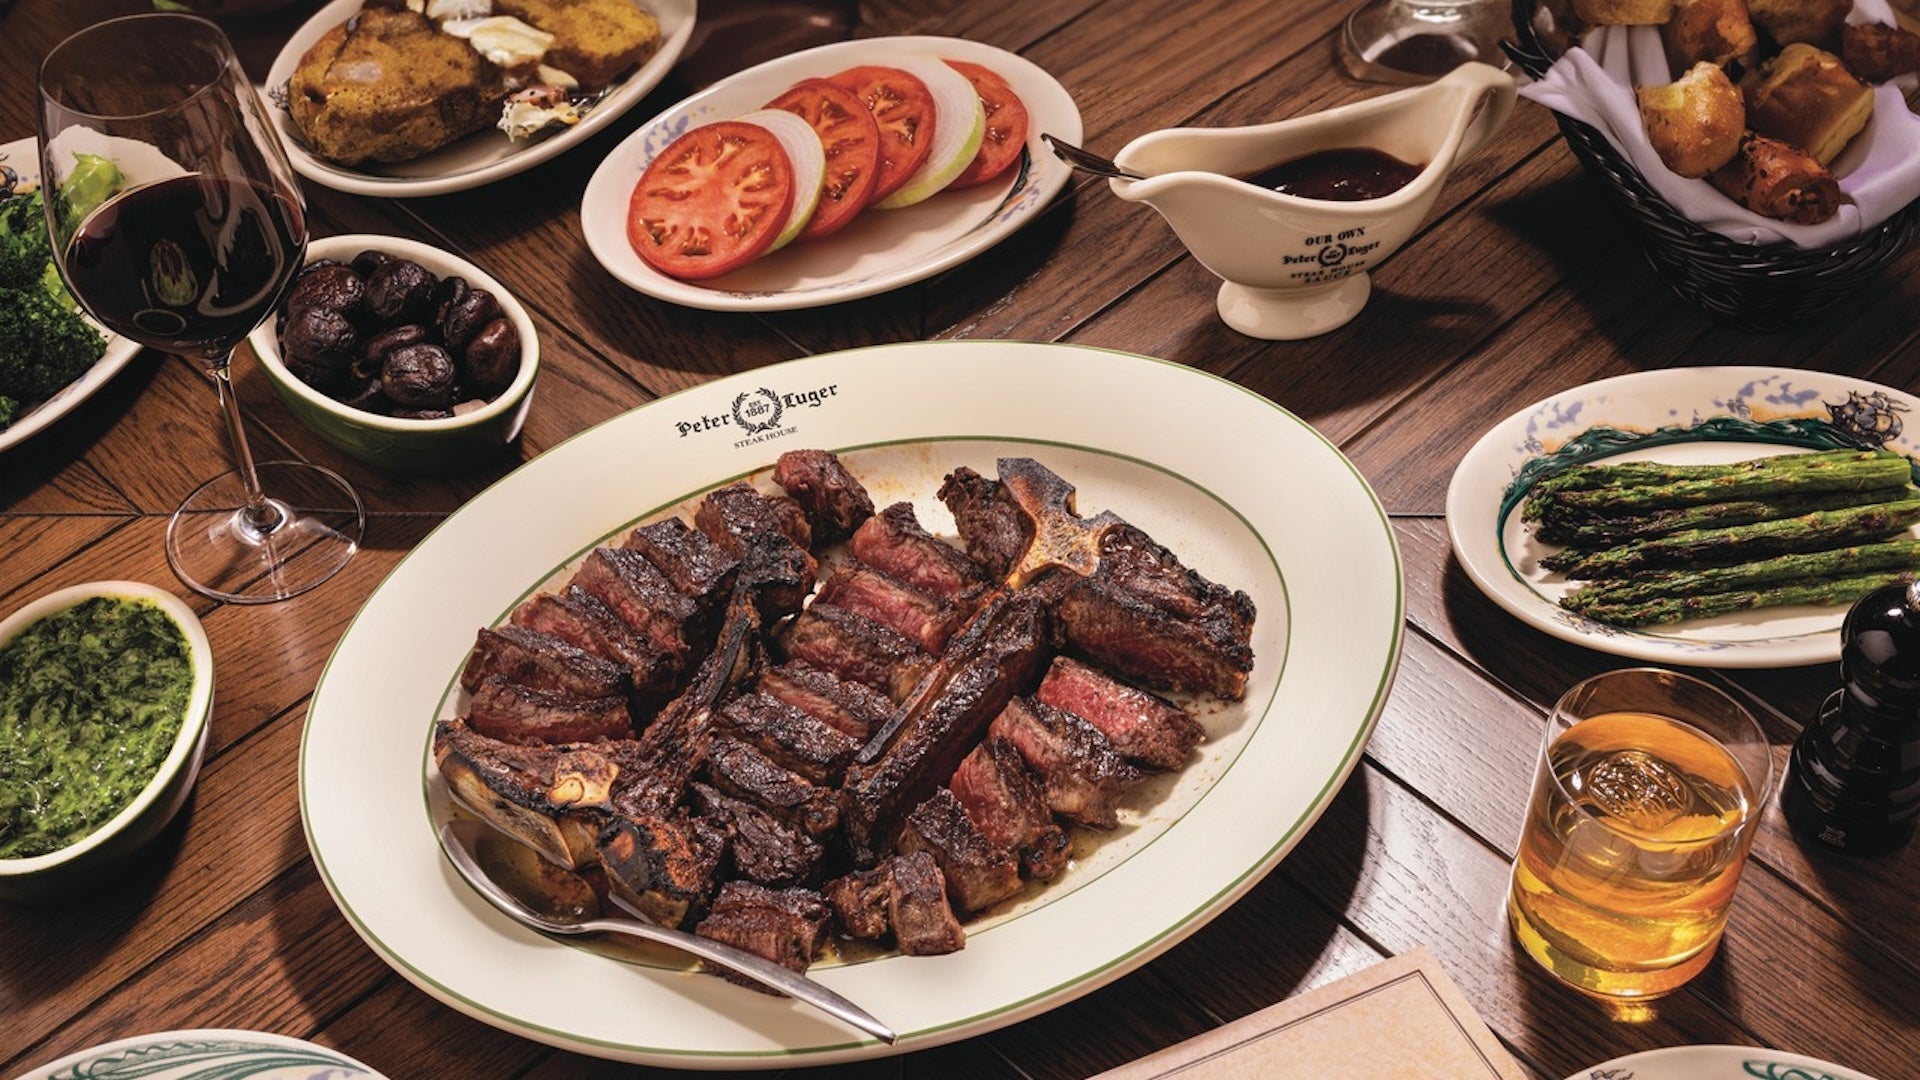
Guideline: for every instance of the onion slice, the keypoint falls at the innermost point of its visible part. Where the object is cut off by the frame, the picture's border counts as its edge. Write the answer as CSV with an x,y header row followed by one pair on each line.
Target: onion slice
x,y
809,159
959,125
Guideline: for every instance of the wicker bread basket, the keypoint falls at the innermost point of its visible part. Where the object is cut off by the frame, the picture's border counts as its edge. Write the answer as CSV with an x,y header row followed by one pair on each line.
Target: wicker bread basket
x,y
1754,288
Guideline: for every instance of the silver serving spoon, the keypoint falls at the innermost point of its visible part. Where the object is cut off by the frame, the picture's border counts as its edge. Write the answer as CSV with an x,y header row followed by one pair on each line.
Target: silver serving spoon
x,y
1087,160
457,839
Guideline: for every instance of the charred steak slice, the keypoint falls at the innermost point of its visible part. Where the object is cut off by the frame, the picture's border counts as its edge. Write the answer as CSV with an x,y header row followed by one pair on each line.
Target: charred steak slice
x,y
733,515
761,847
1146,728
642,597
979,873
542,662
697,567
995,530
855,648
663,867
893,542
853,708
785,926
745,773
1006,803
835,503
507,710
554,799
1146,616
999,655
1085,776
581,620
904,899
924,619
794,738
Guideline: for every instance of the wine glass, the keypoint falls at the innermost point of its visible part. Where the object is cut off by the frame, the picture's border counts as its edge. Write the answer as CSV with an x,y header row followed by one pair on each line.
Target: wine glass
x,y
1416,41
178,223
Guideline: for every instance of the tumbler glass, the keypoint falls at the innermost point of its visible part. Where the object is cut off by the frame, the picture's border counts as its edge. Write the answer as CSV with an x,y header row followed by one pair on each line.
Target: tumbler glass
x,y
1646,798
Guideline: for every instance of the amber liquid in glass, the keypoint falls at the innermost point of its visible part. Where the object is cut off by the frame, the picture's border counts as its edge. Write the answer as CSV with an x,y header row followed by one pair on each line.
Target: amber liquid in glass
x,y
1623,889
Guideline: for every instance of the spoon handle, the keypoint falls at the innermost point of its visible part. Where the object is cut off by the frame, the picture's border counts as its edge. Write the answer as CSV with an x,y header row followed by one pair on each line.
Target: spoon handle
x,y
757,968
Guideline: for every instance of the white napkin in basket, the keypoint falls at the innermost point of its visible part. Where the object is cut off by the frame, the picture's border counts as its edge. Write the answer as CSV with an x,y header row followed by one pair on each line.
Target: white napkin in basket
x,y
1880,169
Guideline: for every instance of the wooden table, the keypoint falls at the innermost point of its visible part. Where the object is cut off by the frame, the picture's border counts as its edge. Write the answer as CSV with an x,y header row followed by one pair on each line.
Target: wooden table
x,y
1522,283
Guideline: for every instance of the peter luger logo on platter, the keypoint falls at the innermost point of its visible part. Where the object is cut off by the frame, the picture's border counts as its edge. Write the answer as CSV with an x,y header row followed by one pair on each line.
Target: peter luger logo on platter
x,y
760,414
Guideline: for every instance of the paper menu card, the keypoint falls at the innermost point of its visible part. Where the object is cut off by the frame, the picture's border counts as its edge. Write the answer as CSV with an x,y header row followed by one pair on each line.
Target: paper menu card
x,y
1402,1019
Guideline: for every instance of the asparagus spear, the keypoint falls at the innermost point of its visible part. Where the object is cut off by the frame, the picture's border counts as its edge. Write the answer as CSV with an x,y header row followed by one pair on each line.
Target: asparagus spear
x,y
1838,590
1584,530
1854,471
1643,473
1649,586
1808,532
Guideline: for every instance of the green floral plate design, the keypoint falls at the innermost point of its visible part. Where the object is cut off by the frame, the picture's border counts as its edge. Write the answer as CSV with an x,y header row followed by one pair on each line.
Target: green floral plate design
x,y
206,1055
1717,1063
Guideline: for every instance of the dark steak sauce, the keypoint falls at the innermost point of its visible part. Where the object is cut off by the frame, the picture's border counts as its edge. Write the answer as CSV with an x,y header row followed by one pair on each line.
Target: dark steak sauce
x,y
1349,174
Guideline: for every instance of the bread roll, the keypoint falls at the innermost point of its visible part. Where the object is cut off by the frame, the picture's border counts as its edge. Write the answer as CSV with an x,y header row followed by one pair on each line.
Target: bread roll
x,y
1695,122
1779,181
1717,31
1623,12
1877,53
1807,97
1814,22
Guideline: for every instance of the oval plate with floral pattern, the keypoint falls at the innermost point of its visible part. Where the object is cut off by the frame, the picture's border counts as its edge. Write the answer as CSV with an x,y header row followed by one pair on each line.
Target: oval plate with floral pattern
x,y
211,1054
1716,1063
1684,415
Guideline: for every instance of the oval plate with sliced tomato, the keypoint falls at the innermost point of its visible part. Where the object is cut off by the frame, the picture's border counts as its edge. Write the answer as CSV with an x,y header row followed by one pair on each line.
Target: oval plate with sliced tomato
x,y
879,249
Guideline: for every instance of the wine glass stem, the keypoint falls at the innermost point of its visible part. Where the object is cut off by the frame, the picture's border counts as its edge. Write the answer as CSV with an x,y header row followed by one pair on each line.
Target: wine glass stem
x,y
261,515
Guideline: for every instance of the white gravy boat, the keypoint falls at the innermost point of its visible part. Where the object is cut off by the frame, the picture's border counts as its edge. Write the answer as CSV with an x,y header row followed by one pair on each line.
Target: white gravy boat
x,y
1296,267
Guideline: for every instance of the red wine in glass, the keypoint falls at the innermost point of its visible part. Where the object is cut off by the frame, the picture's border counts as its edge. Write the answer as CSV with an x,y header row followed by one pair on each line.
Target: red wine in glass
x,y
188,265
193,247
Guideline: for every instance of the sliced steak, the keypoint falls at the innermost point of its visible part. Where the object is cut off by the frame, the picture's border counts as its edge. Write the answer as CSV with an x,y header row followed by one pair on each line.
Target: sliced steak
x,y
697,567
745,773
835,503
855,648
1146,616
920,617
666,867
995,530
1084,776
1006,802
903,900
859,902
854,708
733,515
1146,728
542,662
762,848
1001,654
790,736
554,799
785,926
581,620
507,710
642,597
893,542
979,873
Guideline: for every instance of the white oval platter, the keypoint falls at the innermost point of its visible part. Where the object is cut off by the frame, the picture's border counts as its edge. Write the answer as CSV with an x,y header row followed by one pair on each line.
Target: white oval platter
x,y
1245,492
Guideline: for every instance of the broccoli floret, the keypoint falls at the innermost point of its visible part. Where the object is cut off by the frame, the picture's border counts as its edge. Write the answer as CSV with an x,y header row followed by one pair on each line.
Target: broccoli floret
x,y
43,345
25,251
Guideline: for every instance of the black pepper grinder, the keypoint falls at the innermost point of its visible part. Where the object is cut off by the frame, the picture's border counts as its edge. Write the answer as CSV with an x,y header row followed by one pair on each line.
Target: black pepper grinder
x,y
1853,779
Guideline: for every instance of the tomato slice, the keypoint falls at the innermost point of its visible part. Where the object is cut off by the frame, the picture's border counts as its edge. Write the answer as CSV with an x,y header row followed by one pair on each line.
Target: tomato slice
x,y
851,138
1006,125
903,107
712,201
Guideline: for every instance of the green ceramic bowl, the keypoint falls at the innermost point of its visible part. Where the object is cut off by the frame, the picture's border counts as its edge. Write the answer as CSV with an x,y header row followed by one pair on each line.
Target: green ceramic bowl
x,y
88,863
467,441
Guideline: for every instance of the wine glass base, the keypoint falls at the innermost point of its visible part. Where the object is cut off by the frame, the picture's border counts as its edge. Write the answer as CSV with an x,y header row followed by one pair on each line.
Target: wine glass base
x,y
1418,41
216,549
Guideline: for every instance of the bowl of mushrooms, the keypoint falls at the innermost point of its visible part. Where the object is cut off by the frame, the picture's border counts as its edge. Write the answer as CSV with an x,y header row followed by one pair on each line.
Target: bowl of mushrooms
x,y
401,354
